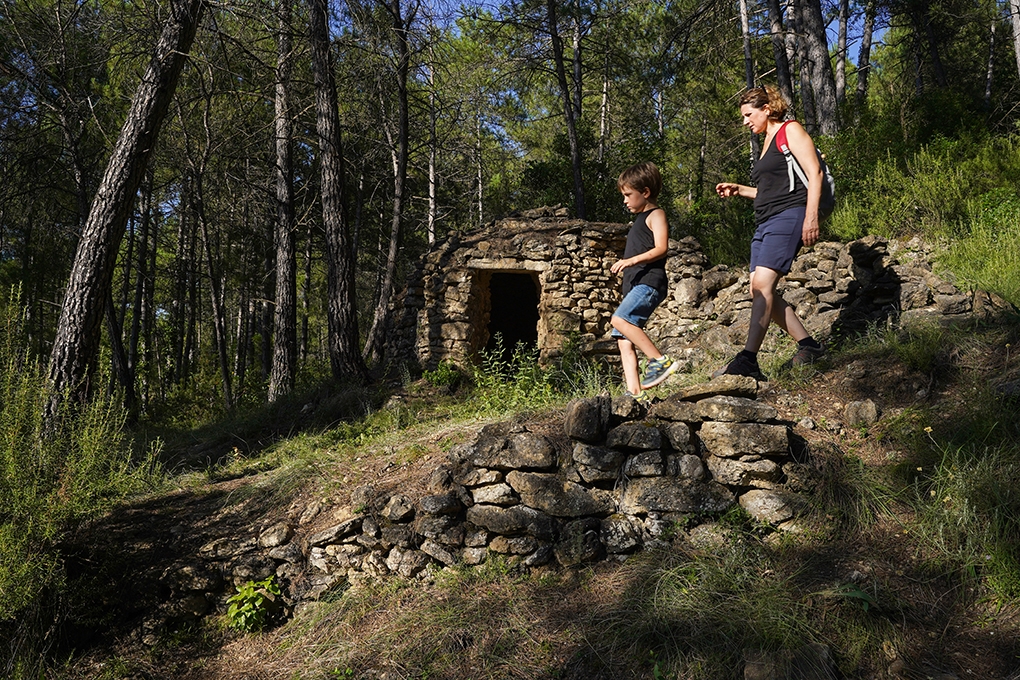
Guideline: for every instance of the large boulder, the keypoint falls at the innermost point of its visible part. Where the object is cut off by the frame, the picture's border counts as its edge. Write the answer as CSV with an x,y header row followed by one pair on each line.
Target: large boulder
x,y
667,494
732,440
515,520
558,497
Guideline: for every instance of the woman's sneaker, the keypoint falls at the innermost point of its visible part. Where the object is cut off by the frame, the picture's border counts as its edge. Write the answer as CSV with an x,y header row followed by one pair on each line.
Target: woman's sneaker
x,y
656,371
741,365
805,356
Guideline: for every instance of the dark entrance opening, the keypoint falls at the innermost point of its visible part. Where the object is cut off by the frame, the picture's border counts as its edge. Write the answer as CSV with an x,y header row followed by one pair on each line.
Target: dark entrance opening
x,y
513,311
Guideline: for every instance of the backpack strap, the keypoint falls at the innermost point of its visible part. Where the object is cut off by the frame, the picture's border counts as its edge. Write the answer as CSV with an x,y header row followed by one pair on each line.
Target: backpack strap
x,y
792,166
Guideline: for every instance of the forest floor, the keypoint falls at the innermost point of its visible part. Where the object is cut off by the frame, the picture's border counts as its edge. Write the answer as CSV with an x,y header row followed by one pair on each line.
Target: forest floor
x,y
902,616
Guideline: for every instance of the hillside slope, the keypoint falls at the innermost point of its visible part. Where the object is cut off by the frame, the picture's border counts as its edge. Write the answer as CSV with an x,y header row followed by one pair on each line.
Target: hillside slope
x,y
887,592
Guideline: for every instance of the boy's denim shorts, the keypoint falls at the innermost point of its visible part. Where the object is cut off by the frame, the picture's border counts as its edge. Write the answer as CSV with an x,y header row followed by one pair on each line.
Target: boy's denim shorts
x,y
637,306
777,240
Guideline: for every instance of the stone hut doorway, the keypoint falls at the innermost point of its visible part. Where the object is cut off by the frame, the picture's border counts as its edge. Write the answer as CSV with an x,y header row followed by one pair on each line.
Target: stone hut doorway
x,y
513,298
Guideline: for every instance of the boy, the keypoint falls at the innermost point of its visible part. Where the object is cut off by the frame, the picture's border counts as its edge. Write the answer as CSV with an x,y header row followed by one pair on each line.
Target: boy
x,y
644,278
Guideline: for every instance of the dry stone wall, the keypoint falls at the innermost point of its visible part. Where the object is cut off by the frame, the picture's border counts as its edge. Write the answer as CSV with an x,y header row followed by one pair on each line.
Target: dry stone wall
x,y
835,287
617,477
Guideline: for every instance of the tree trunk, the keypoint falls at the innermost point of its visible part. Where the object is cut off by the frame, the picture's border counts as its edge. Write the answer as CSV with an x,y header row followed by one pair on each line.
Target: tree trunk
x,y
141,278
578,70
568,108
374,347
803,70
745,32
345,360
478,166
216,296
783,76
991,65
844,15
864,57
76,345
1014,17
281,381
306,292
118,356
433,209
934,46
823,85
604,108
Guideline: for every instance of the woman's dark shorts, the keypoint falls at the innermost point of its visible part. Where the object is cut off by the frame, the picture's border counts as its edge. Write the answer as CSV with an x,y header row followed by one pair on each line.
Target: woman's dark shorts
x,y
637,306
777,240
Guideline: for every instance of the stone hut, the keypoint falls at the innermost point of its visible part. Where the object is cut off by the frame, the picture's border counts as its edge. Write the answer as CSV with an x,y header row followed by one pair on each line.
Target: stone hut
x,y
539,279
542,278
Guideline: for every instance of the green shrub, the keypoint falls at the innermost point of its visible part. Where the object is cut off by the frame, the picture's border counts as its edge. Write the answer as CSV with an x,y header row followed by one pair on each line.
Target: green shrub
x,y
987,256
929,192
51,481
252,607
445,375
518,381
968,510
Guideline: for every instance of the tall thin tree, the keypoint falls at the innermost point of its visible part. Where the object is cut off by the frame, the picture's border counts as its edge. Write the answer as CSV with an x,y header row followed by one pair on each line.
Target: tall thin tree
x,y
281,380
76,345
783,76
569,110
823,84
1014,17
400,150
864,56
345,360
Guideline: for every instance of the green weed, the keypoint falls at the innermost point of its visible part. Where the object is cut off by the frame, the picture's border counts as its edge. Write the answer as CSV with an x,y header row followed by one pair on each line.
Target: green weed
x,y
968,514
251,608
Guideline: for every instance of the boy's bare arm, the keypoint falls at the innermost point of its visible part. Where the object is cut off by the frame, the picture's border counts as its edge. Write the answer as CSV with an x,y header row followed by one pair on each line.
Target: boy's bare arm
x,y
656,221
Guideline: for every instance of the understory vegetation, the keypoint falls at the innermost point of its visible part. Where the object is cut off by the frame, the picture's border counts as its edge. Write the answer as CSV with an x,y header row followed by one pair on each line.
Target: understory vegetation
x,y
934,489
937,522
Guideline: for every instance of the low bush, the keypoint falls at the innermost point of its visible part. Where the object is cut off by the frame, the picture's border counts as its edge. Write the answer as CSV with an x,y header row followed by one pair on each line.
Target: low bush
x,y
53,479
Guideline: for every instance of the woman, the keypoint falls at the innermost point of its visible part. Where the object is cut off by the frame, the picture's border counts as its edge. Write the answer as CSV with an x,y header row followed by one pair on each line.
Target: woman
x,y
786,214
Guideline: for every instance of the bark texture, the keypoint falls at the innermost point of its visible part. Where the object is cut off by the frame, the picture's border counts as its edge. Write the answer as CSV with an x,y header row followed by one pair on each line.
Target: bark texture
x,y
281,380
345,360
823,84
76,345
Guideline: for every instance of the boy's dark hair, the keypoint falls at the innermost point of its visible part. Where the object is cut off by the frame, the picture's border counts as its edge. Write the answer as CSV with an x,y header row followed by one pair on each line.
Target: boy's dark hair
x,y
642,176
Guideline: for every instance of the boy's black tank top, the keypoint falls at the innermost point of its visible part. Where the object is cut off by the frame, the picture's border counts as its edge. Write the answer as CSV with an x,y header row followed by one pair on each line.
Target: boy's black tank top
x,y
640,239
772,178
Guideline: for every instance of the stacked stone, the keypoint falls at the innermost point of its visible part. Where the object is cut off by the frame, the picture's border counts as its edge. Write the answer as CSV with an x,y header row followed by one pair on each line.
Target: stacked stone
x,y
439,315
834,287
622,478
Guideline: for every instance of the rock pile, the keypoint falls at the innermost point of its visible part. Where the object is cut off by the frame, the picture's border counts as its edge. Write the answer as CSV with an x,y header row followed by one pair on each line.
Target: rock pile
x,y
835,287
616,478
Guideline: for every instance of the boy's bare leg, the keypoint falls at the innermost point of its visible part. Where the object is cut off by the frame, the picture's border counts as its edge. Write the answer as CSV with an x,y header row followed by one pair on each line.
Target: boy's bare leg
x,y
638,337
629,359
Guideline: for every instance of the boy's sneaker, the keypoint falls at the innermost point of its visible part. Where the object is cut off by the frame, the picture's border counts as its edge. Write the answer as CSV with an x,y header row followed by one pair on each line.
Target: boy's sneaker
x,y
657,370
641,397
741,365
805,356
